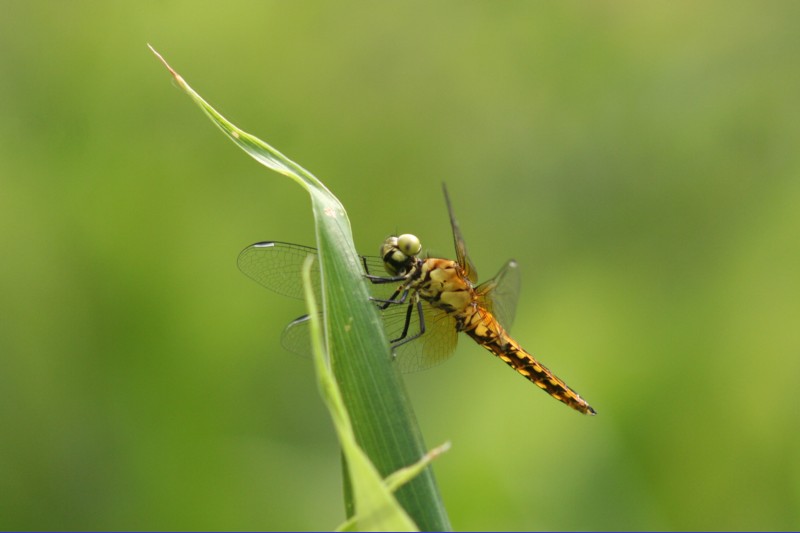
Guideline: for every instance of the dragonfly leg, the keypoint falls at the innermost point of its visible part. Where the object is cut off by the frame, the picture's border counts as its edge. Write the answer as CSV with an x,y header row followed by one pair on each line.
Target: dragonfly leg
x,y
384,279
366,266
383,304
406,324
404,338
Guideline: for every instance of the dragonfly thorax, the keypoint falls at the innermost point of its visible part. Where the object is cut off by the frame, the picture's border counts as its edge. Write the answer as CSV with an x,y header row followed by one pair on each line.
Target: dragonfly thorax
x,y
400,253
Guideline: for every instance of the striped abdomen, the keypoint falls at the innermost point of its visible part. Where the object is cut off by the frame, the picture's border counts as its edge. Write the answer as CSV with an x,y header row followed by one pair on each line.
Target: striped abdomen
x,y
487,332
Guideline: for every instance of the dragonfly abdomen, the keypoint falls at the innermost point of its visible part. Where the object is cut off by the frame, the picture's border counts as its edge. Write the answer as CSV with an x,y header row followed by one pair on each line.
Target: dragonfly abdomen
x,y
487,332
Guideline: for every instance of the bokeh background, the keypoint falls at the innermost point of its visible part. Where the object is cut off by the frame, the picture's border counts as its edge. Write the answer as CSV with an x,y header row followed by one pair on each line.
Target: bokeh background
x,y
640,160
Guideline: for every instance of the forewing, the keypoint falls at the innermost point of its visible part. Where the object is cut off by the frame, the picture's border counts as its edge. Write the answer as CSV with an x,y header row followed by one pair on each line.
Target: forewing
x,y
500,294
276,266
461,247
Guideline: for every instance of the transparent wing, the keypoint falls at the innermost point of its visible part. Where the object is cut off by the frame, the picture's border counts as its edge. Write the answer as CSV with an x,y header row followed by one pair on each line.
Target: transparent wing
x,y
500,294
296,336
461,247
277,265
434,347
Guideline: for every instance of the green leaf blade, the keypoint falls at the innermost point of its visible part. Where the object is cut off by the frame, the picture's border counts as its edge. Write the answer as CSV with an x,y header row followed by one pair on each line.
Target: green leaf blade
x,y
377,509
372,391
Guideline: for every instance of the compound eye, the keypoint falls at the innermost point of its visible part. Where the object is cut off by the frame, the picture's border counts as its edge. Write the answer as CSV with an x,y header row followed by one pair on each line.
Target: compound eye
x,y
388,245
409,244
398,257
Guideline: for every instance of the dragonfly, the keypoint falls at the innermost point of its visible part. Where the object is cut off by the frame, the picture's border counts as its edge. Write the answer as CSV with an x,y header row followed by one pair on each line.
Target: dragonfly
x,y
424,303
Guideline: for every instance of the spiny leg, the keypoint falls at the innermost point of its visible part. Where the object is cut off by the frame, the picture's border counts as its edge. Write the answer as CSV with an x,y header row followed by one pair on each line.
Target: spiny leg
x,y
403,338
383,304
385,279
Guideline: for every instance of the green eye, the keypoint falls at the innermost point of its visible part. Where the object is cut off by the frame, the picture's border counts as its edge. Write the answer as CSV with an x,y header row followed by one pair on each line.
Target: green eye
x,y
409,244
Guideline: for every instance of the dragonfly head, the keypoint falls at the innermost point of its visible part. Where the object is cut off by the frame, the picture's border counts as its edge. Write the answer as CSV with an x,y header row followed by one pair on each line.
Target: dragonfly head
x,y
400,253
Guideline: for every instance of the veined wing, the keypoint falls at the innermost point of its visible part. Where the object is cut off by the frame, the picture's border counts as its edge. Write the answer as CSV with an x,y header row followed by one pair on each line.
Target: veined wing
x,y
461,247
500,294
277,266
433,347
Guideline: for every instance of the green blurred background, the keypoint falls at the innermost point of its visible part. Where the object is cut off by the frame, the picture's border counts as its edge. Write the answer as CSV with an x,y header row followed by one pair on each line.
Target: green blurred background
x,y
639,160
